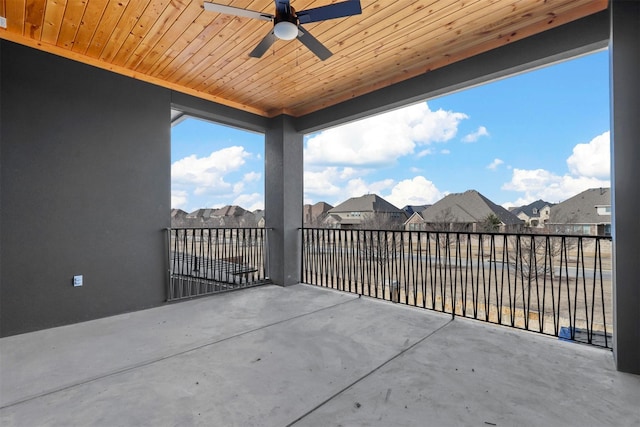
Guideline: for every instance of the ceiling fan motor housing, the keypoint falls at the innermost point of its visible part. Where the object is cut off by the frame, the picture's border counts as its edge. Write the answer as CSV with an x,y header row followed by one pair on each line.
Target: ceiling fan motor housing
x,y
286,24
283,15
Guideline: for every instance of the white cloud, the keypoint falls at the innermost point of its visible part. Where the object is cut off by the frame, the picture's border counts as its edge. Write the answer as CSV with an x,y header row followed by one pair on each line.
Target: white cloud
x,y
415,191
358,187
355,188
335,185
338,160
588,167
250,202
238,187
378,187
542,184
494,165
592,159
323,183
179,199
252,176
215,180
351,172
445,151
474,136
382,139
206,174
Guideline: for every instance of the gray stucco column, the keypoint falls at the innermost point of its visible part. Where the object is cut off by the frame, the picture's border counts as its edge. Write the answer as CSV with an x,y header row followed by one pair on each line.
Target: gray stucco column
x,y
625,133
283,199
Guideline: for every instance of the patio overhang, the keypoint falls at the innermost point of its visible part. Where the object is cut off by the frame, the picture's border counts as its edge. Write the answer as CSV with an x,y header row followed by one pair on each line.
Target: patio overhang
x,y
185,48
198,61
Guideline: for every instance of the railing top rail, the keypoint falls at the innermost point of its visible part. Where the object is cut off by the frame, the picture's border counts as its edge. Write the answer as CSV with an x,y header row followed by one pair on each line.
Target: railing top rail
x,y
465,233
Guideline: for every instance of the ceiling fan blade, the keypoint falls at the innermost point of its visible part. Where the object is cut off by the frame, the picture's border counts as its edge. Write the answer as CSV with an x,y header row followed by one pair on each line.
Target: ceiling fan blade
x,y
313,44
236,11
264,45
331,11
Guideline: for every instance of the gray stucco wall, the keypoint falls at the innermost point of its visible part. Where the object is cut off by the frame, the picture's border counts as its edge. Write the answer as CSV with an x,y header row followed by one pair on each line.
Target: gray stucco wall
x,y
625,137
84,189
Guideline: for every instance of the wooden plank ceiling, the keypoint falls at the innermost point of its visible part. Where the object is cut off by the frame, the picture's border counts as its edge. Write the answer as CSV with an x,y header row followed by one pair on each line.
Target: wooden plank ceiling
x,y
176,44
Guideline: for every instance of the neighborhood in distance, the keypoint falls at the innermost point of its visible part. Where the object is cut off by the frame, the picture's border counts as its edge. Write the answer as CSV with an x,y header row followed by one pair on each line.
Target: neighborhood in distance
x,y
587,213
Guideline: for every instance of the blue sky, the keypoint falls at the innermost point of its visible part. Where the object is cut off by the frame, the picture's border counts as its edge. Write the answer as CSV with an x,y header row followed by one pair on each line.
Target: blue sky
x,y
543,134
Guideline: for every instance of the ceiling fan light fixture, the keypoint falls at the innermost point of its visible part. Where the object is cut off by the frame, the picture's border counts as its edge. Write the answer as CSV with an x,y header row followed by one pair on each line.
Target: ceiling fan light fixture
x,y
285,30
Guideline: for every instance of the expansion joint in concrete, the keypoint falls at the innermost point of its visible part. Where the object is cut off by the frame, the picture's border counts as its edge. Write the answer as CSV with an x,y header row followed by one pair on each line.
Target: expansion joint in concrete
x,y
373,371
165,357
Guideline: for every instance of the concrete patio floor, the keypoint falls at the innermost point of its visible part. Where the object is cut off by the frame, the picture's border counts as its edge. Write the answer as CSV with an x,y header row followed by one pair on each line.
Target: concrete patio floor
x,y
305,356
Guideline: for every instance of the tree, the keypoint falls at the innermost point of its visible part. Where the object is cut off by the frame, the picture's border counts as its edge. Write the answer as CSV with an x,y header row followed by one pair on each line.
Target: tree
x,y
490,224
379,221
534,254
380,237
560,223
445,223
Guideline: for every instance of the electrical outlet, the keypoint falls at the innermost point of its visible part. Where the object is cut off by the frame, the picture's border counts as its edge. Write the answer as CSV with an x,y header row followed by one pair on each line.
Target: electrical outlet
x,y
77,280
3,22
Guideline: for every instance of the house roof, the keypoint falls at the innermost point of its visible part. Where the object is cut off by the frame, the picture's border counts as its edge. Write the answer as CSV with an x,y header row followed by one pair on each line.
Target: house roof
x,y
528,210
411,209
229,210
202,213
181,46
368,203
415,218
258,214
581,208
178,213
467,207
321,207
318,210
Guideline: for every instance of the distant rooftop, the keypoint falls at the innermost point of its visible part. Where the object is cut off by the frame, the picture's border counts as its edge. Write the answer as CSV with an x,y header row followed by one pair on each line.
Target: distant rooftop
x,y
366,203
468,207
582,208
533,209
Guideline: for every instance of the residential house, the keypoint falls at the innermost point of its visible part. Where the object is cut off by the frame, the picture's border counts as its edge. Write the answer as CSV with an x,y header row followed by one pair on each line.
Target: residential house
x,y
587,213
535,214
178,217
227,216
415,222
199,218
314,215
258,215
232,216
368,211
470,211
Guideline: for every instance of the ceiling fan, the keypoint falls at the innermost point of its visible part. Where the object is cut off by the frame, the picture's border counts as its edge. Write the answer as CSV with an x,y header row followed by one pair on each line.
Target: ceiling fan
x,y
286,22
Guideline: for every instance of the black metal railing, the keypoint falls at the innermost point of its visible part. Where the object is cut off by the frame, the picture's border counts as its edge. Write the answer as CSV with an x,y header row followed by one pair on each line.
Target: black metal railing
x,y
553,284
209,260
